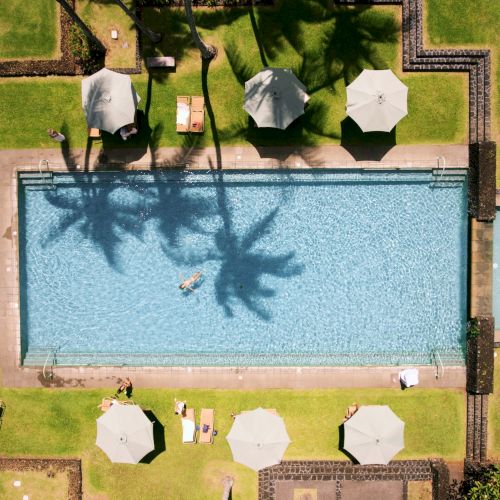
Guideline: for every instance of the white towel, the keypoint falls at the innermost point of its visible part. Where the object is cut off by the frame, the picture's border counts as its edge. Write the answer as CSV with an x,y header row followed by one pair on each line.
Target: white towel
x,y
409,377
183,113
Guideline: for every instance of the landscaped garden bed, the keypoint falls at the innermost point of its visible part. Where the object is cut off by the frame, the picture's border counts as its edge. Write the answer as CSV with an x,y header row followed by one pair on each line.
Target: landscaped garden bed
x,y
102,18
52,478
29,30
322,54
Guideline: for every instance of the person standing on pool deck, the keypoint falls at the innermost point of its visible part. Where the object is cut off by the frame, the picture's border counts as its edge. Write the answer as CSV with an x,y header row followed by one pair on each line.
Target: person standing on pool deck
x,y
126,386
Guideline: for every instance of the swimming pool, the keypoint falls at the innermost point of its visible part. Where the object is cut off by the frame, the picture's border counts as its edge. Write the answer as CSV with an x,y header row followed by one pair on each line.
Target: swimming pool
x,y
303,268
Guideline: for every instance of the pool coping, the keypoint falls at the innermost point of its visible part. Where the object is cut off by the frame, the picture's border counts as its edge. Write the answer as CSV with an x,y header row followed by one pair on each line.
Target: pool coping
x,y
235,377
415,58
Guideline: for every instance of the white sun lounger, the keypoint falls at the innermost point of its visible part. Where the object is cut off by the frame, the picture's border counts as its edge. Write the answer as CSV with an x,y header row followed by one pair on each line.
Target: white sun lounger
x,y
188,427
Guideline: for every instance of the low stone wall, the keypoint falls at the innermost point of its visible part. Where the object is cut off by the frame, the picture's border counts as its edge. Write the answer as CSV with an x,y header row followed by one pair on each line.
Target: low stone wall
x,y
482,180
480,359
328,470
72,467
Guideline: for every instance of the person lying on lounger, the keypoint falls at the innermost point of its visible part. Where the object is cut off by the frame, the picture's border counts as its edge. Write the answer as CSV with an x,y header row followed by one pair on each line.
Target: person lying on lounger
x,y
187,284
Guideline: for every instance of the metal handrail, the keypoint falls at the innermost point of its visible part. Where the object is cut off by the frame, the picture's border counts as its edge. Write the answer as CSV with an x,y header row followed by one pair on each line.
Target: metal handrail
x,y
444,165
50,376
44,162
436,358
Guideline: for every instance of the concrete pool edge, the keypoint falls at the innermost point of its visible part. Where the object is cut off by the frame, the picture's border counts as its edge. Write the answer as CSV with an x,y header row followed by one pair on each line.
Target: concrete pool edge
x,y
15,375
232,377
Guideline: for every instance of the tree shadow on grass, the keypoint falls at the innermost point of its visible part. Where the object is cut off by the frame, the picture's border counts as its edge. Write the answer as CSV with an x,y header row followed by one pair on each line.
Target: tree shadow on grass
x,y
365,146
331,44
159,438
347,42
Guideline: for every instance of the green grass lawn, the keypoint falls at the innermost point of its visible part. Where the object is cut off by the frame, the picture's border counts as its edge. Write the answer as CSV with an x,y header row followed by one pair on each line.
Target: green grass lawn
x,y
326,47
36,485
29,29
103,16
462,23
45,422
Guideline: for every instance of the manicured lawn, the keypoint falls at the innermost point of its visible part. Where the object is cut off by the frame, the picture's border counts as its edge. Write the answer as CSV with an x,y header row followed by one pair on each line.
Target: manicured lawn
x,y
102,17
327,48
64,425
475,24
36,485
494,415
29,29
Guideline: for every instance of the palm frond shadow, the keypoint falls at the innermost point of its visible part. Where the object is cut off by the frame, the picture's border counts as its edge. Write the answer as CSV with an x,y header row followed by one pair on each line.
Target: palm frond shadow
x,y
348,44
242,265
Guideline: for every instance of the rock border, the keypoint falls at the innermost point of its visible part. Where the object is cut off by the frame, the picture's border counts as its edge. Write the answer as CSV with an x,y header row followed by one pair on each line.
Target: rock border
x,y
70,465
434,470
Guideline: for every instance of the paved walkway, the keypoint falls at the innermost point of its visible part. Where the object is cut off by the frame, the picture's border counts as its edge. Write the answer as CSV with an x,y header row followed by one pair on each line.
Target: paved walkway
x,y
231,157
327,156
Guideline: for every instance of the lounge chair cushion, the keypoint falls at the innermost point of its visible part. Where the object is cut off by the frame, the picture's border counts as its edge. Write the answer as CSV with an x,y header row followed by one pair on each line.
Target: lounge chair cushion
x,y
183,114
188,430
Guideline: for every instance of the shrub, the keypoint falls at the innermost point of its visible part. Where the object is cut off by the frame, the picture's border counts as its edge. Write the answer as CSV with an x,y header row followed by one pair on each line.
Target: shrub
x,y
481,482
85,52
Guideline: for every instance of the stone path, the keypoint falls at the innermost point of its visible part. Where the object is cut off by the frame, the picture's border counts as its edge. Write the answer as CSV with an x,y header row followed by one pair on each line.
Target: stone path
x,y
242,157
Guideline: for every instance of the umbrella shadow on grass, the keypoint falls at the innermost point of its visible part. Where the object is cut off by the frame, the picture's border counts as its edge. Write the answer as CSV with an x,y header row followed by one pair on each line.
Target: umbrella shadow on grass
x,y
365,146
341,444
158,436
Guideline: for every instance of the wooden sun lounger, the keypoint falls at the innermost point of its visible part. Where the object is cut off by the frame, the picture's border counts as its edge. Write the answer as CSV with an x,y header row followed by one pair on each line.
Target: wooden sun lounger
x,y
106,403
189,417
207,418
197,123
183,114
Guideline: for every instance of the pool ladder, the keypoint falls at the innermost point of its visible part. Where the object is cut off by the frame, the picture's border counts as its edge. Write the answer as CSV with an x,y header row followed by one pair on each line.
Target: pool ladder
x,y
439,362
49,375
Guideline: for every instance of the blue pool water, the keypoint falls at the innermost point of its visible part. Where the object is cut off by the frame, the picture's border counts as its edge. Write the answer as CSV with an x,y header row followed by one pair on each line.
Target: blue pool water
x,y
308,268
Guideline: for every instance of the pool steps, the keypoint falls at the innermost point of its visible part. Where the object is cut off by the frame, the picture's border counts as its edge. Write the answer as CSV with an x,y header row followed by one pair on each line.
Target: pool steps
x,y
37,356
438,177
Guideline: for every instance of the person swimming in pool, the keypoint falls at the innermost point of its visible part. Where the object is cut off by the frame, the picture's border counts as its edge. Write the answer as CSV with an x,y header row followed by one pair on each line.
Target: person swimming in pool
x,y
187,284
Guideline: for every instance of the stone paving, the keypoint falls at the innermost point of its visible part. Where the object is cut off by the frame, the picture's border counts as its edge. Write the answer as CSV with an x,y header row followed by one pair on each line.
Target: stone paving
x,y
344,477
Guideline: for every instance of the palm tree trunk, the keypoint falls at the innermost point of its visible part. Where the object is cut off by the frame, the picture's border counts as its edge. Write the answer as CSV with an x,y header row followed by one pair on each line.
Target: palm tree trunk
x,y
74,16
207,51
152,35
228,485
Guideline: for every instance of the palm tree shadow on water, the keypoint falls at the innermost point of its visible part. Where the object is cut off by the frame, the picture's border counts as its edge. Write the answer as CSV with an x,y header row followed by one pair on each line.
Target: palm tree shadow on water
x,y
242,266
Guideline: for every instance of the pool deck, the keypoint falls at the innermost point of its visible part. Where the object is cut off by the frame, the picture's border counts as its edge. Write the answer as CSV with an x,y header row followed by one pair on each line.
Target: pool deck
x,y
328,156
12,375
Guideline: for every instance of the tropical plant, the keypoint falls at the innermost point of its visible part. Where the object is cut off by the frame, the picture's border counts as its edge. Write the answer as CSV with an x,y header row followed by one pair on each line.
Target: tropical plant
x,y
488,488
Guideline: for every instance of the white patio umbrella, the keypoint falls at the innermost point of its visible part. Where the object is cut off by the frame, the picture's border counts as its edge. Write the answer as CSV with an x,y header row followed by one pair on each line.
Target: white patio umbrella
x,y
275,97
377,100
258,439
373,435
109,100
125,434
